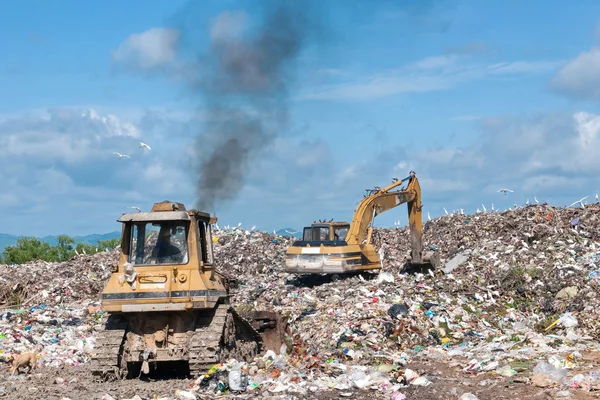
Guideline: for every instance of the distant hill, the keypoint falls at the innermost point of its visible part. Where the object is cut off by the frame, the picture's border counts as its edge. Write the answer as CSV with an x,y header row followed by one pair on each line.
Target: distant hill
x,y
289,232
11,240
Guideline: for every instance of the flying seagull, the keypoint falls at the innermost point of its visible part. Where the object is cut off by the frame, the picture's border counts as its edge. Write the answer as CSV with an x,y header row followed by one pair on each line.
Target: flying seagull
x,y
428,216
142,144
579,202
121,155
527,202
484,209
505,191
536,200
137,208
596,197
292,232
446,211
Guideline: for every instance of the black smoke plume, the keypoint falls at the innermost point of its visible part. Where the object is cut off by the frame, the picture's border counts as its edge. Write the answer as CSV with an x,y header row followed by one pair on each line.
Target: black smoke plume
x,y
245,86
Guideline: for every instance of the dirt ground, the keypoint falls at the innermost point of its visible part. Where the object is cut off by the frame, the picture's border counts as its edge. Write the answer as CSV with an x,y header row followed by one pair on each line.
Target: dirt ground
x,y
449,381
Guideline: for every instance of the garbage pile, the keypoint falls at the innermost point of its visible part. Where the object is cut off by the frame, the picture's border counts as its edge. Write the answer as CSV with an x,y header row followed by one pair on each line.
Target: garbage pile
x,y
53,283
516,288
50,308
517,297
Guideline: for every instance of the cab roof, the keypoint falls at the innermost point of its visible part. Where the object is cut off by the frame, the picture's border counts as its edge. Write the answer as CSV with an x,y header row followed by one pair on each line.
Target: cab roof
x,y
165,211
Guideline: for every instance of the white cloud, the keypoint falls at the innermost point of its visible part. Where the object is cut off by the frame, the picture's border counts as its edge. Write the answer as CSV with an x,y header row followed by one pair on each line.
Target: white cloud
x,y
426,75
580,77
228,25
62,161
551,156
156,47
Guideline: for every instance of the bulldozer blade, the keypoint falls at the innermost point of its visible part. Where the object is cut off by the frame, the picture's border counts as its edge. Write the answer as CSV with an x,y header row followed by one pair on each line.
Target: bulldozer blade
x,y
271,326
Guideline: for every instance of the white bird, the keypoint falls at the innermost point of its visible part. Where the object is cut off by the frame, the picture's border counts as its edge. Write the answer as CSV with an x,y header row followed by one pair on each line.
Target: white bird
x,y
484,209
477,211
142,144
536,200
446,211
579,202
596,197
492,207
527,202
253,228
462,211
136,208
505,191
291,232
428,216
121,155
239,224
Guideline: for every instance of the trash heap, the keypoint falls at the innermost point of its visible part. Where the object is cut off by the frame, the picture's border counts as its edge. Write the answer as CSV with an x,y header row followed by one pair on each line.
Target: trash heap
x,y
517,296
53,283
517,289
50,308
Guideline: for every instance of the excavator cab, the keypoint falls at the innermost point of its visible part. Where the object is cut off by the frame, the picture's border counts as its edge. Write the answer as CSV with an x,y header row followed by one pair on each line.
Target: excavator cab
x,y
326,233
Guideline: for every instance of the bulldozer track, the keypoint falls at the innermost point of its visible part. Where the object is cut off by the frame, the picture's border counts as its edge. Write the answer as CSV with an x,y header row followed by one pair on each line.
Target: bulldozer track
x,y
108,350
209,340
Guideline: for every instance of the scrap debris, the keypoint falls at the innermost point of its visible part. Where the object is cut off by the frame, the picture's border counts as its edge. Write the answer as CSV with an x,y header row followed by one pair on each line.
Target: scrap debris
x,y
517,299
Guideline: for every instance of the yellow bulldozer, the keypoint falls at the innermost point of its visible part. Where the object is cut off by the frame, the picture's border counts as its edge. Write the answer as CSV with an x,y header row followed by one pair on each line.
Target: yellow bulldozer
x,y
167,303
329,247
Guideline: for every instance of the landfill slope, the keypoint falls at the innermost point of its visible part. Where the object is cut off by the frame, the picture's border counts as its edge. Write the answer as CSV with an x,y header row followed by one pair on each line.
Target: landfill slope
x,y
514,306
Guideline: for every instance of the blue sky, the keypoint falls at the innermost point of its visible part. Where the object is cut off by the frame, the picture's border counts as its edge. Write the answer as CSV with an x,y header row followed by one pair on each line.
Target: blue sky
x,y
474,96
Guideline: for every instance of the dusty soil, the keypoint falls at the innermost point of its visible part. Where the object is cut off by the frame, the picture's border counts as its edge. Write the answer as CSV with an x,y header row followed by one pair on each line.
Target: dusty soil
x,y
449,382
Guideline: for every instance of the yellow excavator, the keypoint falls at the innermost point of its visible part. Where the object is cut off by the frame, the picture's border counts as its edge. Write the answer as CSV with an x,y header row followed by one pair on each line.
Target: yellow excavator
x,y
338,247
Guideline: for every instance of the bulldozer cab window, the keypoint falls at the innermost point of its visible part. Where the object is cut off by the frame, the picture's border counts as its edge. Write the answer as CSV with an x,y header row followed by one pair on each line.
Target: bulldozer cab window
x,y
155,243
205,242
340,232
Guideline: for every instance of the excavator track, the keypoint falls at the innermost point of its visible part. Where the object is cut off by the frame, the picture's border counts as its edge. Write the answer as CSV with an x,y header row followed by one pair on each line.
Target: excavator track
x,y
217,336
109,349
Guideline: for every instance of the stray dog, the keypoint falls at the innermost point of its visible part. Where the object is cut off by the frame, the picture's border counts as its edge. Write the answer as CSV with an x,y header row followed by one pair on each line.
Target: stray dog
x,y
23,360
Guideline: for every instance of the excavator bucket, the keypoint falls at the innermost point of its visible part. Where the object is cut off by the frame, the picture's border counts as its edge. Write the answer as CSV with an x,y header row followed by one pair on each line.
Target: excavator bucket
x,y
271,326
427,261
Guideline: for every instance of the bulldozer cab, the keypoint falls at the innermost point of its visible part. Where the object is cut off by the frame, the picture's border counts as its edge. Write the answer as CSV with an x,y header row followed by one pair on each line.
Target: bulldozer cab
x,y
325,233
168,238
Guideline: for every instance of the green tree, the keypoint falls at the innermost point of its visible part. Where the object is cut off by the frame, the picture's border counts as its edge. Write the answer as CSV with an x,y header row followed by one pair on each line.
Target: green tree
x,y
85,248
109,244
27,249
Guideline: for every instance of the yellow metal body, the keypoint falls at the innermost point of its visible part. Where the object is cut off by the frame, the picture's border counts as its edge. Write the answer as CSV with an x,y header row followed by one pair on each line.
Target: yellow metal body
x,y
164,287
356,252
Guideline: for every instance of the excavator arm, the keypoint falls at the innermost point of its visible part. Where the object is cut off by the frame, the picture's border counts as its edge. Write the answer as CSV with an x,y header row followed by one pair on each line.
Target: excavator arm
x,y
382,200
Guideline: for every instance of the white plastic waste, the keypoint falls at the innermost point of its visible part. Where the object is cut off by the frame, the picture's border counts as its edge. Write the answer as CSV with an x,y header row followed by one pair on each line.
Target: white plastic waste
x,y
238,380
